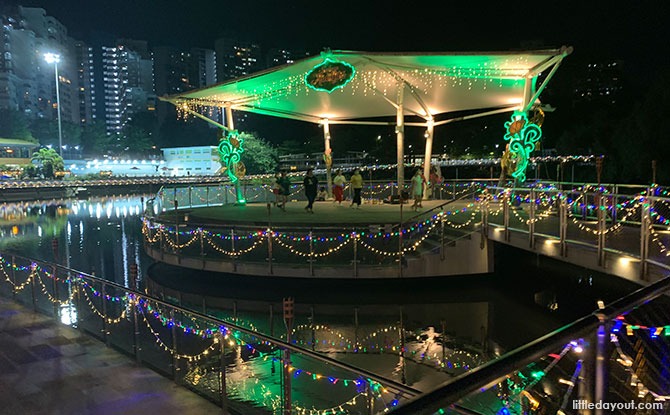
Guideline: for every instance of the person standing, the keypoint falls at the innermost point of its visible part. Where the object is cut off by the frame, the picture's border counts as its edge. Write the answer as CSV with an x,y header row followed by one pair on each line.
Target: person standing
x,y
338,186
276,188
284,190
417,188
310,182
357,185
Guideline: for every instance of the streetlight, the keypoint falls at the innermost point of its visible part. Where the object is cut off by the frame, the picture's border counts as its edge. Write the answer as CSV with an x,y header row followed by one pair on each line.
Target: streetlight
x,y
55,58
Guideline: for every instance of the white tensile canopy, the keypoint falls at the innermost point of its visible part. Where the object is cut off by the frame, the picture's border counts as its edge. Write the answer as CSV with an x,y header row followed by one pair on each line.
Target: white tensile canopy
x,y
424,85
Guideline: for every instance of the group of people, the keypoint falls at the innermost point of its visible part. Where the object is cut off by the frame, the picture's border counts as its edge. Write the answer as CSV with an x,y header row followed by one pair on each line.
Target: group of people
x,y
281,187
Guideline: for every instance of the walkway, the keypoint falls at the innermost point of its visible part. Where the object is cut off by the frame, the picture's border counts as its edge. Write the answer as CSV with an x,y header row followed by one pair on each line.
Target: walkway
x,y
49,368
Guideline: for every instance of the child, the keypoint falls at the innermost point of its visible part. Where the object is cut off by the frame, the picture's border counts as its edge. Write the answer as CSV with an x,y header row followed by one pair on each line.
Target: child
x,y
322,195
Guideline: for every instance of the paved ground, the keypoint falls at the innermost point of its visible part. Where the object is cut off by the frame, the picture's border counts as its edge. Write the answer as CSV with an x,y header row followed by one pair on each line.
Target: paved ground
x,y
49,368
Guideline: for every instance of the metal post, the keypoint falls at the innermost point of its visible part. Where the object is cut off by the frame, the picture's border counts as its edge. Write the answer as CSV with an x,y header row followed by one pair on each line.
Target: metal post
x,y
175,360
311,253
645,224
563,226
428,155
222,374
105,328
356,329
207,195
136,337
442,245
400,140
453,192
602,225
615,198
268,233
369,399
54,282
444,341
531,220
12,276
401,349
355,236
33,274
190,196
400,252
327,152
288,321
602,363
232,247
506,215
312,324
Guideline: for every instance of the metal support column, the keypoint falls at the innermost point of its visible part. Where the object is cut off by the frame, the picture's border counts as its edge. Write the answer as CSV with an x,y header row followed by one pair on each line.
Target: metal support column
x,y
400,140
563,226
602,226
222,374
428,155
327,151
531,219
645,224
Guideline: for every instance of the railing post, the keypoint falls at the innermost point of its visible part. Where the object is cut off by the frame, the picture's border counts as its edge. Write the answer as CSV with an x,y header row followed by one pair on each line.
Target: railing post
x,y
190,196
585,200
105,327
175,359
356,330
602,363
355,236
33,274
645,224
286,364
369,399
268,232
135,303
400,251
311,253
563,225
207,195
162,241
222,373
442,246
401,349
615,198
232,247
602,226
313,328
531,219
12,276
174,198
225,194
453,193
506,215
54,282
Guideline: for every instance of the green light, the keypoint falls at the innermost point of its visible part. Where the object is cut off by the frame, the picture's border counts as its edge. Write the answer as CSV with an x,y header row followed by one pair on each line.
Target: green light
x,y
230,151
329,75
537,374
522,136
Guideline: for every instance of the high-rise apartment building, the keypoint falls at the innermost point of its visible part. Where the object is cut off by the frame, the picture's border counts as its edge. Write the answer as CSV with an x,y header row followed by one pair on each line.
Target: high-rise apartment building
x,y
127,78
27,81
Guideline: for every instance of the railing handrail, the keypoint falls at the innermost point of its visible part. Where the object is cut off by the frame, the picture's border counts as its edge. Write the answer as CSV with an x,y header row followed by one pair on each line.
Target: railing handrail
x,y
464,384
263,337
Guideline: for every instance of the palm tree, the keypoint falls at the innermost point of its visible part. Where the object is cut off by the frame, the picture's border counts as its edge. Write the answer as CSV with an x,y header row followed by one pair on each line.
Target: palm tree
x,y
49,161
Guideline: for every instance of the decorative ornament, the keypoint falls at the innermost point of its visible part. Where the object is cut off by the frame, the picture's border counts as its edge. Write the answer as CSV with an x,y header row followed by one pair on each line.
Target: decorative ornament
x,y
522,136
230,151
328,158
330,74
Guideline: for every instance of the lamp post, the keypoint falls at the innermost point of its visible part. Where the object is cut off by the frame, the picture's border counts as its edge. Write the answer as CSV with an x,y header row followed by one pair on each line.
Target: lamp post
x,y
55,58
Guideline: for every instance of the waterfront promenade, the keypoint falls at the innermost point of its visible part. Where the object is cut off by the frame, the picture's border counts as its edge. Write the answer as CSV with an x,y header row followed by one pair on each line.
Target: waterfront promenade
x,y
50,368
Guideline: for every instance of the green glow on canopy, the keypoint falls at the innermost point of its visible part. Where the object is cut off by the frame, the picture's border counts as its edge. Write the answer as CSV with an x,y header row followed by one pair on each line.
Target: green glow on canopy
x,y
522,136
230,152
329,75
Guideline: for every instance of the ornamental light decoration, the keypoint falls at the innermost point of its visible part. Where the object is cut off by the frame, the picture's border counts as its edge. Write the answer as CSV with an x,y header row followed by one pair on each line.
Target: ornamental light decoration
x,y
522,135
230,152
329,75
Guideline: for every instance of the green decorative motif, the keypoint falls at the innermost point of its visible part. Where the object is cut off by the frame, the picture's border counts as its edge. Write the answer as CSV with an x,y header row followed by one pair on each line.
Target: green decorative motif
x,y
230,152
522,136
330,75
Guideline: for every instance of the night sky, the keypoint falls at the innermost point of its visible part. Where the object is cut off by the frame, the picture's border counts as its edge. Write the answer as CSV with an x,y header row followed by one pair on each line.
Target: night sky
x,y
633,31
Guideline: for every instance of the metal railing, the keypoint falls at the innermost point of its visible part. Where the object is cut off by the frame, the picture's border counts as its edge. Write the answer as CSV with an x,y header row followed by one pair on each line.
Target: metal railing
x,y
600,329
242,369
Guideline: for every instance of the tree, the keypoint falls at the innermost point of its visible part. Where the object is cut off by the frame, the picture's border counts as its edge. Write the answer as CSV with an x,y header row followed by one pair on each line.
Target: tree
x,y
46,132
13,124
259,156
94,139
48,161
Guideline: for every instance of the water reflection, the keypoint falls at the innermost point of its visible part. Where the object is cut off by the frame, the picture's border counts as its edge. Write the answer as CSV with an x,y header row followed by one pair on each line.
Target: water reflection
x,y
100,235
